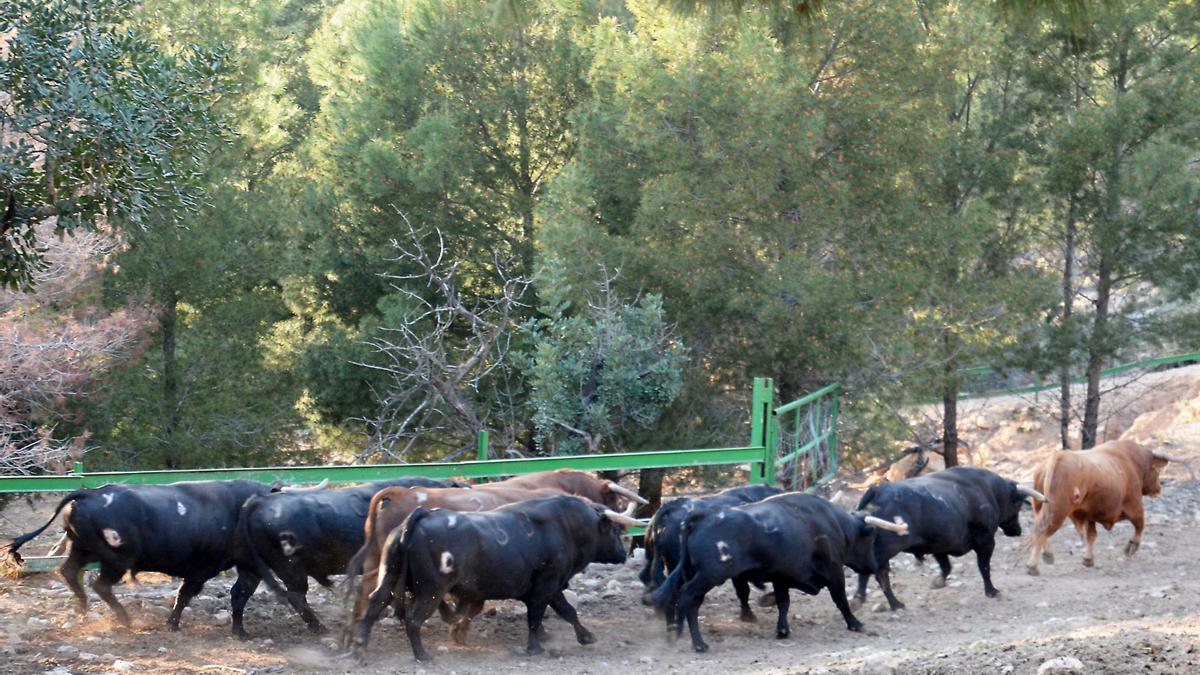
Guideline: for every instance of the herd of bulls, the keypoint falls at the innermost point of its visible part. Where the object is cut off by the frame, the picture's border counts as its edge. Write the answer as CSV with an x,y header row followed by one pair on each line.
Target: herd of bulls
x,y
421,545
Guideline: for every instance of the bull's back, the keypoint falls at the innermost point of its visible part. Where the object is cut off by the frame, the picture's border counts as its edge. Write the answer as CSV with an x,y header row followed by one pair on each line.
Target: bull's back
x,y
1090,485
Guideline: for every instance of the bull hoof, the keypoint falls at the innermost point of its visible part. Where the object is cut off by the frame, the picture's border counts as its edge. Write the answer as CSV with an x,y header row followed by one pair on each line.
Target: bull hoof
x,y
423,657
585,637
317,629
534,650
747,616
1088,562
855,626
1048,557
938,582
241,635
896,605
1131,548
1032,570
700,647
993,593
782,634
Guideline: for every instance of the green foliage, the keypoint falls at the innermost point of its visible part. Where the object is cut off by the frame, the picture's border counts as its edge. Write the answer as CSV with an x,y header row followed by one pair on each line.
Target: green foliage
x,y
101,125
600,369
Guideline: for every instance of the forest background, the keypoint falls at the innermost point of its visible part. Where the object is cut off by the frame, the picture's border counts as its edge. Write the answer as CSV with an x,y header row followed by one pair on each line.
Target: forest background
x,y
291,231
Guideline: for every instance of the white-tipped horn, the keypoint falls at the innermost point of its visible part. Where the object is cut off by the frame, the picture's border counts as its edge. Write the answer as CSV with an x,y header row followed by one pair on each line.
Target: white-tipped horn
x,y
319,486
622,519
899,527
628,512
1030,492
1158,454
626,492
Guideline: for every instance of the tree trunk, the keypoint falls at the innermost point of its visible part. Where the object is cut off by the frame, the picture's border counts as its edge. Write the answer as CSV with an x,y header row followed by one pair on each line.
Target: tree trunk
x,y
949,402
650,487
1097,351
1068,290
170,371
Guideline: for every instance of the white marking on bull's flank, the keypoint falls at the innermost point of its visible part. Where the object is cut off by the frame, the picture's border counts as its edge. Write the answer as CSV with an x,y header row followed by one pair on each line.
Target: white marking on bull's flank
x,y
688,507
478,502
181,508
452,521
286,545
723,551
107,499
447,563
277,510
422,497
502,537
112,537
721,516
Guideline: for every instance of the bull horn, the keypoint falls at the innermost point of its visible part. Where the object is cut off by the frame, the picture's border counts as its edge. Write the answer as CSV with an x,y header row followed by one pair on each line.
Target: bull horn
x,y
899,527
292,488
1158,454
622,519
626,492
1030,492
628,512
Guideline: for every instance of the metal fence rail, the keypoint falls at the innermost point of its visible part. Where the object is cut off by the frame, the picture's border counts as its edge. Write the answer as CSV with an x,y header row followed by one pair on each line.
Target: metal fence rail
x,y
803,436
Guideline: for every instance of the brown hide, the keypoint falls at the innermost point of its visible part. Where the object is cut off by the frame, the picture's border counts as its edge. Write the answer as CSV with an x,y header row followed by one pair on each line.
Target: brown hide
x,y
569,481
1101,486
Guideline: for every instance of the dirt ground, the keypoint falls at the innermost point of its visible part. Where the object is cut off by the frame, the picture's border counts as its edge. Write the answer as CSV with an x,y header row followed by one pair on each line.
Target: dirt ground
x,y
1123,616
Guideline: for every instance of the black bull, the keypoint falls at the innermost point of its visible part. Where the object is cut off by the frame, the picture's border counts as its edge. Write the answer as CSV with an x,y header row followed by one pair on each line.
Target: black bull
x,y
526,551
662,535
791,540
181,529
949,513
286,537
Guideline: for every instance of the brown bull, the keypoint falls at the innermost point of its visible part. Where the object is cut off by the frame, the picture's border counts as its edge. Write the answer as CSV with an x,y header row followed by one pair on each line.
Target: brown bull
x,y
572,482
1103,485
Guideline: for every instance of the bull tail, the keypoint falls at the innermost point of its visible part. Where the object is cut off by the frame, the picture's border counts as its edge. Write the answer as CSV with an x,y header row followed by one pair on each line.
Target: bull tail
x,y
9,554
246,543
393,566
666,595
354,572
647,573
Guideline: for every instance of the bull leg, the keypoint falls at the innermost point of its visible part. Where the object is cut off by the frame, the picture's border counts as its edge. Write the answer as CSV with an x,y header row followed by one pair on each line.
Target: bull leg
x,y
944,568
742,588
297,597
1139,522
860,596
239,595
377,604
189,589
103,587
461,624
884,576
690,599
1089,555
783,602
535,611
837,591
983,556
564,609
72,571
416,613
1046,525
1047,553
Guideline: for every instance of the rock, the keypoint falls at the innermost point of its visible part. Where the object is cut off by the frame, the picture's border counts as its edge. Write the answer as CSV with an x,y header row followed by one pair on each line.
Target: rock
x,y
162,650
443,649
879,607
222,617
571,596
87,656
1043,605
67,649
879,663
122,666
646,659
613,589
58,671
1062,665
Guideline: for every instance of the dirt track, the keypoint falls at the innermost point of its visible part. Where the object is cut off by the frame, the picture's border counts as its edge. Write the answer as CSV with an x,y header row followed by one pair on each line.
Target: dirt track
x,y
1122,616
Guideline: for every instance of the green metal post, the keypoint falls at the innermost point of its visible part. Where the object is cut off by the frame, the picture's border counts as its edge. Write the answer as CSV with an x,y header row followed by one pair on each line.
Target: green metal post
x,y
77,468
761,400
483,445
833,437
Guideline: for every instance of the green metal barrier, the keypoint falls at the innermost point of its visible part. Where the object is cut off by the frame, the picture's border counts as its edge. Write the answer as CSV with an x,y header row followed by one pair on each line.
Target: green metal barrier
x,y
1119,369
803,434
